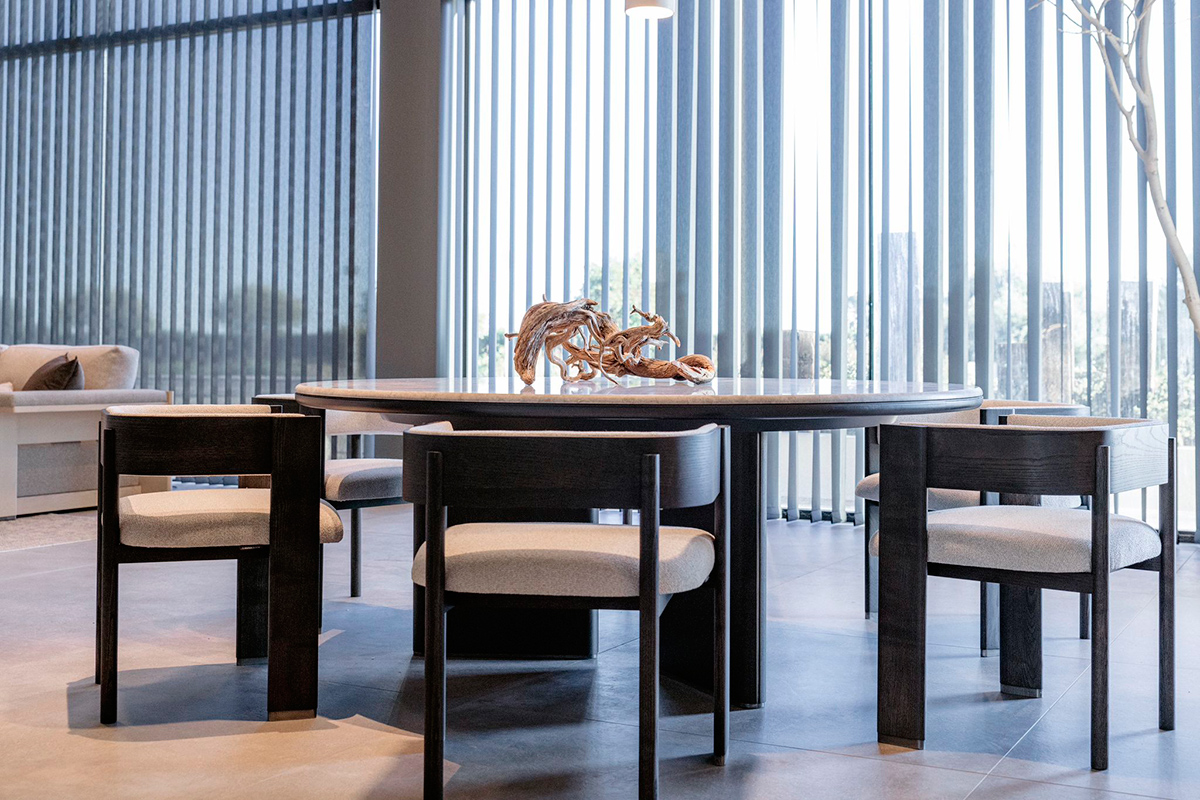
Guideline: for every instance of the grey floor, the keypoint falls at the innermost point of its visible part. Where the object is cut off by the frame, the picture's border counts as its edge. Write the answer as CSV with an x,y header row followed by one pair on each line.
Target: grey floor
x,y
191,722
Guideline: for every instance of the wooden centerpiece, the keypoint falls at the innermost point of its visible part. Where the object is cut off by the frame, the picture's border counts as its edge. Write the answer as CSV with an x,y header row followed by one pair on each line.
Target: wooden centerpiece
x,y
591,344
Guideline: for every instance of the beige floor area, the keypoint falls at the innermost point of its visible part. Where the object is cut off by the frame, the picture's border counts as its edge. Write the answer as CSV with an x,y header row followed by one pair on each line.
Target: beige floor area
x,y
41,530
191,722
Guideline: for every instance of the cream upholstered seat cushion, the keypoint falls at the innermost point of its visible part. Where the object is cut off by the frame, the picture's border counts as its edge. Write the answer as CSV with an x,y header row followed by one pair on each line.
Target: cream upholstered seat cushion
x,y
943,499
207,518
566,559
939,499
348,479
1032,539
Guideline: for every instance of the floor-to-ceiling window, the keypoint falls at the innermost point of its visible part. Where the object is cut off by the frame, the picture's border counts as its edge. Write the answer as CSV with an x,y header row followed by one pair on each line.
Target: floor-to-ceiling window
x,y
665,167
841,188
194,179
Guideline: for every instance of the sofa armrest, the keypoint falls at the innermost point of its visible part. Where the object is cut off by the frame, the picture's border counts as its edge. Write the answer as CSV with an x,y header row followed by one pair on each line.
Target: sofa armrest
x,y
79,398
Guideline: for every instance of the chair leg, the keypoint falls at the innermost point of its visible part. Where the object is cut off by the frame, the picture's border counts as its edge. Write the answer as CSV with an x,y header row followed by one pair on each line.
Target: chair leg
x,y
99,585
870,576
108,641
648,704
989,619
321,588
1166,641
1084,616
253,573
1100,673
1021,641
721,675
435,695
356,552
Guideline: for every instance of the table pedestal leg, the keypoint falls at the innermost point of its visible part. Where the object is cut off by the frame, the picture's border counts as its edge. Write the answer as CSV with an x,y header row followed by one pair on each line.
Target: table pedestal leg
x,y
687,623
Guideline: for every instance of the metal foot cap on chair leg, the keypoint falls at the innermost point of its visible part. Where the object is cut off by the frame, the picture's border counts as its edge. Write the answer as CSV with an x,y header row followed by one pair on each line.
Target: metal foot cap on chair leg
x,y
898,741
280,716
1020,691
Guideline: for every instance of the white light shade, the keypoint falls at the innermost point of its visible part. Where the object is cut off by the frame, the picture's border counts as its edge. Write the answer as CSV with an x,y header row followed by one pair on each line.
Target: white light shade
x,y
650,9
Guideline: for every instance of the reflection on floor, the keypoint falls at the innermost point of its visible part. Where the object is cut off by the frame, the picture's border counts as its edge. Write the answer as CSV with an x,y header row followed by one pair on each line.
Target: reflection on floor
x,y
192,724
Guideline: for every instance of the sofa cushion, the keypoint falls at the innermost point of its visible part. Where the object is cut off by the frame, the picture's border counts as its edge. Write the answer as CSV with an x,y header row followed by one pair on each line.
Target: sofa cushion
x,y
94,398
59,374
104,366
207,518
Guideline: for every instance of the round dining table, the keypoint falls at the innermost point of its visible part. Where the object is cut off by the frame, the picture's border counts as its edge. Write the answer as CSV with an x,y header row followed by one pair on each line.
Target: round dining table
x,y
749,406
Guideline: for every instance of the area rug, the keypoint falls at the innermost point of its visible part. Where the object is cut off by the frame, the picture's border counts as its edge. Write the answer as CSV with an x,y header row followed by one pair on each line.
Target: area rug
x,y
40,530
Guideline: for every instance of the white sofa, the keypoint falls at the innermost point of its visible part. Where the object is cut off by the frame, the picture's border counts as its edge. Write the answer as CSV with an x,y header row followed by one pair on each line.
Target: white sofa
x,y
48,439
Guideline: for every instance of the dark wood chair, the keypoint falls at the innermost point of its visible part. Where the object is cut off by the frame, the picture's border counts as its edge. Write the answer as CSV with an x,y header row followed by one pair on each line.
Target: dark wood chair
x,y
991,412
1023,549
354,483
274,534
571,565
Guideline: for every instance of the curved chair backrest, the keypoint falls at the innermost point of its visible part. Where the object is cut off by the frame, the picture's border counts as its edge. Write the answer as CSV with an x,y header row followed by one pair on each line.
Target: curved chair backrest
x,y
1031,454
209,440
562,469
991,412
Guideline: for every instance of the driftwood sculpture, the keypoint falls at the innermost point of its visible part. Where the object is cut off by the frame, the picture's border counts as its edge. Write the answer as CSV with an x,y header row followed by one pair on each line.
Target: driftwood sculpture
x,y
592,343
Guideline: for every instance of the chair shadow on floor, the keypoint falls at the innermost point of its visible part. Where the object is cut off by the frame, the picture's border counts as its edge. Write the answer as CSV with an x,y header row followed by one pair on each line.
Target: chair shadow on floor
x,y
184,702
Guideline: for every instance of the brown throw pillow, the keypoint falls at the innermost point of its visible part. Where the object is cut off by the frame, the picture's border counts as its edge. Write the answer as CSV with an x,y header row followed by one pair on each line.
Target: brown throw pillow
x,y
55,375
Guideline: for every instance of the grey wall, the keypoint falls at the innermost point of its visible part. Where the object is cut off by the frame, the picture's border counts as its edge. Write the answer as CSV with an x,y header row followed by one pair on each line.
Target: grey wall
x,y
409,61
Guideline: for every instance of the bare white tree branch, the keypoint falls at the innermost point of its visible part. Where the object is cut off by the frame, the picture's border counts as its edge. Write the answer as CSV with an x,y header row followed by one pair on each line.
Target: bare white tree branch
x,y
1134,55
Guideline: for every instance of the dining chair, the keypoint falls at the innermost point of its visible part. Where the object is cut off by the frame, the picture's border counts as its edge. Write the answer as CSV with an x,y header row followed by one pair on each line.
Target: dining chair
x,y
571,565
1024,549
354,483
274,534
991,412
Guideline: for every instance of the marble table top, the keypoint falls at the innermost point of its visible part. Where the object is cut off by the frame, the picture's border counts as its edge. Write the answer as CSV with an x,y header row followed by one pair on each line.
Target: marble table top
x,y
641,391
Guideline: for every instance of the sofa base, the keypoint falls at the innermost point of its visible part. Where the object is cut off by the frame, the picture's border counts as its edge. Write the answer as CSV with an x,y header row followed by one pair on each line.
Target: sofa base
x,y
36,431
74,501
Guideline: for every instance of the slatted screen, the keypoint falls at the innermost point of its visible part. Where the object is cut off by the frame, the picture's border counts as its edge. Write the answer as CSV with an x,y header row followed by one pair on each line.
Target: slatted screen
x,y
193,179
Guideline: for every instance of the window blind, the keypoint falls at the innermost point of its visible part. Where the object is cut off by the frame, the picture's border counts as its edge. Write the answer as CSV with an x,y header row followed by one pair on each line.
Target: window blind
x,y
192,179
932,191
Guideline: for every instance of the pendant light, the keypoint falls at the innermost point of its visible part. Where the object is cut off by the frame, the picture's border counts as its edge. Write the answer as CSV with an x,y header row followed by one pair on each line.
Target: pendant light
x,y
650,9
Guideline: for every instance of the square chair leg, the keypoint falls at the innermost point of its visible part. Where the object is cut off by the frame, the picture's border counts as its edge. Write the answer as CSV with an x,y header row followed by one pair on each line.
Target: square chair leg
x,y
356,552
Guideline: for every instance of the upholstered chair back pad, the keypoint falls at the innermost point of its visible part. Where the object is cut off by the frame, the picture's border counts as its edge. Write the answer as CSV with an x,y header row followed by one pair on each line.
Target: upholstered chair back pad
x,y
990,409
1033,454
497,469
340,423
